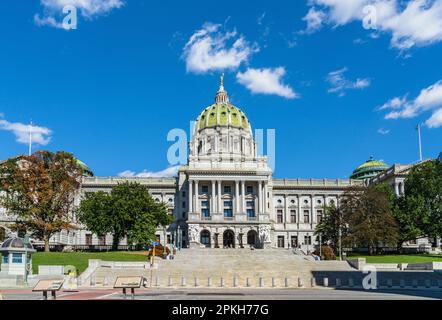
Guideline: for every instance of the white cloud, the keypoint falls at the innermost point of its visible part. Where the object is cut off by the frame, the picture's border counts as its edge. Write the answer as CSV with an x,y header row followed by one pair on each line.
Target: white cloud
x,y
40,135
383,131
166,173
429,99
410,23
266,81
53,10
210,49
339,84
314,20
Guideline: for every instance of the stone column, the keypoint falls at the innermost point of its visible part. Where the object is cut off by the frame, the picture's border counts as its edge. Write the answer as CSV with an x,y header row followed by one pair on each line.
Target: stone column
x,y
313,214
259,197
197,201
237,207
219,196
243,196
190,196
265,198
396,188
213,199
299,212
287,211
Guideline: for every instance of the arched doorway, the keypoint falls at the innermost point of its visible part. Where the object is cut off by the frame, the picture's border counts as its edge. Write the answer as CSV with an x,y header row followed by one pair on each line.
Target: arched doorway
x,y
252,238
205,238
229,239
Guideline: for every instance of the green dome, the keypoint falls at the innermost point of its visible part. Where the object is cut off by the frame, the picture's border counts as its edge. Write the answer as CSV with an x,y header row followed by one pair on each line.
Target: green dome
x,y
222,113
87,171
369,169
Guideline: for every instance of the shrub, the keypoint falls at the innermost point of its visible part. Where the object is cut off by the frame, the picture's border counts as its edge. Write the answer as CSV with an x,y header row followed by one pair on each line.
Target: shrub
x,y
327,253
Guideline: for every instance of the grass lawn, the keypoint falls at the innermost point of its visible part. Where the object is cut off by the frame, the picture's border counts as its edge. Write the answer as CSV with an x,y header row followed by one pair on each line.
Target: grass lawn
x,y
80,259
409,258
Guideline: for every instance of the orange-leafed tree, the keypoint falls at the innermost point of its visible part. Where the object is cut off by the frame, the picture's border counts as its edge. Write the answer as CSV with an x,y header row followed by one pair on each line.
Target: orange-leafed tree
x,y
39,190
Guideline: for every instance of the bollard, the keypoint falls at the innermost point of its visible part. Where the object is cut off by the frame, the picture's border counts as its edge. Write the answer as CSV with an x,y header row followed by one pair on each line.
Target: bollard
x,y
273,282
287,282
313,282
222,282
170,281
325,281
338,282
209,281
389,283
183,281
300,284
414,283
235,282
402,283
196,282
248,282
427,283
261,282
351,283
106,281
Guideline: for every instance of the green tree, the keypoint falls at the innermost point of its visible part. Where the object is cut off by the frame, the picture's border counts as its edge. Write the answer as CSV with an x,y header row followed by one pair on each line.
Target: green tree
x,y
367,212
127,211
421,206
332,221
39,190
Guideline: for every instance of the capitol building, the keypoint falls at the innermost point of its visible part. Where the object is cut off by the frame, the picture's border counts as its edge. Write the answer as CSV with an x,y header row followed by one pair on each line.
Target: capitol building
x,y
226,196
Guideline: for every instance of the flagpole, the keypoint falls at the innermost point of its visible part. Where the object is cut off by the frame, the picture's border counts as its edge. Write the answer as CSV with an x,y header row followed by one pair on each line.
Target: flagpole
x,y
30,138
420,141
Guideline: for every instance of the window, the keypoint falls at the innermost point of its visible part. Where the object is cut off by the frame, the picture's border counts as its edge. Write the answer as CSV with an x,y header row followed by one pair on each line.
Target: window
x,y
319,201
184,214
184,193
2,234
17,258
5,258
306,216
280,241
292,216
249,189
292,201
102,241
319,216
228,213
279,201
205,189
279,216
250,213
227,189
205,213
88,239
184,204
308,240
306,201
227,203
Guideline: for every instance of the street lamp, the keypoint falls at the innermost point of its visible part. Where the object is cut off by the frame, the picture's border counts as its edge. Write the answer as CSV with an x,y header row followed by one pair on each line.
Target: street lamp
x,y
26,242
179,238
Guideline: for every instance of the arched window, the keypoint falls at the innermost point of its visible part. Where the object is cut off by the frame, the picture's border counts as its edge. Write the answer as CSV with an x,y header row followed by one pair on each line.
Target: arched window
x,y
205,238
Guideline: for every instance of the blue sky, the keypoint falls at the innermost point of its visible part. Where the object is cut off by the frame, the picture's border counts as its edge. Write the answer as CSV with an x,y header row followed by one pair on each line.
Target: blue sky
x,y
110,90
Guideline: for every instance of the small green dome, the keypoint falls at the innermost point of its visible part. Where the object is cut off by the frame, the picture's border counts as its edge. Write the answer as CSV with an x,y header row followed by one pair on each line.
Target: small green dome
x,y
87,171
222,113
369,169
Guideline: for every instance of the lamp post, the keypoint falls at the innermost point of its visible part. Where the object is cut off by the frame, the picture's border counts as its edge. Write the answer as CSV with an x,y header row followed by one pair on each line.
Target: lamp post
x,y
26,242
340,243
179,238
320,245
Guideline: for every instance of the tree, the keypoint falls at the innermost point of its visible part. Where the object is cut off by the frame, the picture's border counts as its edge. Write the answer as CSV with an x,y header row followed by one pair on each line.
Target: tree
x,y
331,222
367,212
421,206
39,190
127,211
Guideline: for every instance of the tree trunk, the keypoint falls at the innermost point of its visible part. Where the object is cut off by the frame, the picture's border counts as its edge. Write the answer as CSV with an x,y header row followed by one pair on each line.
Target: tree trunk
x,y
115,242
46,241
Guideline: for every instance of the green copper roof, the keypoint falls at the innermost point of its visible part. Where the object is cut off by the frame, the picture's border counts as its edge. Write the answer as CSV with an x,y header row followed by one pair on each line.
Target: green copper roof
x,y
222,114
369,169
87,171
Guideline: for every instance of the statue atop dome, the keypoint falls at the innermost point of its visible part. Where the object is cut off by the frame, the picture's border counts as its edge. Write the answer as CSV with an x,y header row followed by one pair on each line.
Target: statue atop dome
x,y
222,96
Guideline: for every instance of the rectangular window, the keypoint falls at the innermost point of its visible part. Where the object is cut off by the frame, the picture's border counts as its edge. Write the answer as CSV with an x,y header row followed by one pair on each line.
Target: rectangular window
x,y
250,213
184,204
292,216
227,189
184,193
280,241
228,203
88,239
279,216
306,216
205,189
205,213
319,216
307,240
17,258
249,189
5,258
184,214
228,213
